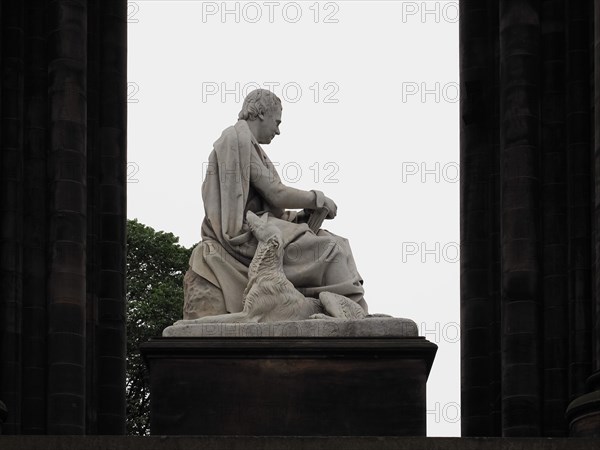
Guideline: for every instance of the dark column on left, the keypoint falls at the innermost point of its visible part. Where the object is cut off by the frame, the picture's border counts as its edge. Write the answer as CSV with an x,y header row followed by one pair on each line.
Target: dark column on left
x,y
63,216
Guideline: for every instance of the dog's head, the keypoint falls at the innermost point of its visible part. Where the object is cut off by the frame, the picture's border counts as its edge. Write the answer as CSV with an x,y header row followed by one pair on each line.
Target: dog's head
x,y
262,229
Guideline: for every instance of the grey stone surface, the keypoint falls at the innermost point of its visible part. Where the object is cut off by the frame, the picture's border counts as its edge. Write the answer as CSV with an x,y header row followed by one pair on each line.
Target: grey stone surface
x,y
369,327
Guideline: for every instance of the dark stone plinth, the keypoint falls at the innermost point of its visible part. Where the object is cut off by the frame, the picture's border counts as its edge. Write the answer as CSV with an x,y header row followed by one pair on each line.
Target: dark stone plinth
x,y
289,386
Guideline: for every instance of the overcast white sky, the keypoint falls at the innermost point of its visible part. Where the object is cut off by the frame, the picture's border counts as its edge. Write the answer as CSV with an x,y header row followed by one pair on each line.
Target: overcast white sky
x,y
370,117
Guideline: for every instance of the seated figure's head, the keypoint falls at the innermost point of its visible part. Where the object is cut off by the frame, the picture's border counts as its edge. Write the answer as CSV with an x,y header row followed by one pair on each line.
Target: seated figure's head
x,y
262,110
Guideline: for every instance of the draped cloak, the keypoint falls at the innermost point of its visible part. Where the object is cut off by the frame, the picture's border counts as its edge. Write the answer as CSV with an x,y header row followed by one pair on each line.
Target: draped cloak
x,y
238,178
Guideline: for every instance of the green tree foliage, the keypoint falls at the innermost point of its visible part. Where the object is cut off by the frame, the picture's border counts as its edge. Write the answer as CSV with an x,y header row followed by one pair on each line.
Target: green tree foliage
x,y
156,264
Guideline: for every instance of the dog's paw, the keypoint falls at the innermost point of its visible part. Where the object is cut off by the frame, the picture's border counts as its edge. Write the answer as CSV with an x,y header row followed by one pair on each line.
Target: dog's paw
x,y
321,316
341,307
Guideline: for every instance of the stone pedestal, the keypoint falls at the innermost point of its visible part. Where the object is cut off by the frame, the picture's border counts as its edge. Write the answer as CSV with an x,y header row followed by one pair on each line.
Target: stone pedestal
x,y
283,382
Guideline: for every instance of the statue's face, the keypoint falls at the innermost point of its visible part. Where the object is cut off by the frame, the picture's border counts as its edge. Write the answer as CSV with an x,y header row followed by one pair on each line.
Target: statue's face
x,y
268,125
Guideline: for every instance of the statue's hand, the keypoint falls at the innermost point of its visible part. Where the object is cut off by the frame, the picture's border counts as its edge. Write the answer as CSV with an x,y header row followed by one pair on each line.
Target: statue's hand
x,y
330,204
302,216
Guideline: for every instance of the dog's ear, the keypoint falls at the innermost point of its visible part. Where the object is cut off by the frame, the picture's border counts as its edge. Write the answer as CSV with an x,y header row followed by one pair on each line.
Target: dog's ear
x,y
264,218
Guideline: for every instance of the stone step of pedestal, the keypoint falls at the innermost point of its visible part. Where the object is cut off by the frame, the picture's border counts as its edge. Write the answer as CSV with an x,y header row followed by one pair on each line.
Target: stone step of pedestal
x,y
370,327
289,443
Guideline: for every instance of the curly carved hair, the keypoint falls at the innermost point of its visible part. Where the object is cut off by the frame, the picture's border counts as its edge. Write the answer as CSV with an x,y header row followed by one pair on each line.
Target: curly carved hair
x,y
259,101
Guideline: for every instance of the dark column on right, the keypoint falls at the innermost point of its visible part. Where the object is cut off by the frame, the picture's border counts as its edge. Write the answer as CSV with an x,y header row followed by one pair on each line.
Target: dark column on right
x,y
530,217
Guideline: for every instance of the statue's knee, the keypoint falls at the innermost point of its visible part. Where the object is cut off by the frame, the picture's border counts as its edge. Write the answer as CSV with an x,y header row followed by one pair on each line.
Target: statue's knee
x,y
200,297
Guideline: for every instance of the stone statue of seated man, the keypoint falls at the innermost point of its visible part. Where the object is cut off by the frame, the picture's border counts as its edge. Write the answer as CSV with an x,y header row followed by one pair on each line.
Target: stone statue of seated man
x,y
240,178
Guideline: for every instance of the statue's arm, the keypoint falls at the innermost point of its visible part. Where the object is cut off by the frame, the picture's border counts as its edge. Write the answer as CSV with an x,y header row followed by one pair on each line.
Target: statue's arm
x,y
269,186
291,198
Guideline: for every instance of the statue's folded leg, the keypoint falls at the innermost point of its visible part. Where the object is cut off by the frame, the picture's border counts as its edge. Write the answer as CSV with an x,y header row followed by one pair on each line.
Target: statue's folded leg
x,y
323,263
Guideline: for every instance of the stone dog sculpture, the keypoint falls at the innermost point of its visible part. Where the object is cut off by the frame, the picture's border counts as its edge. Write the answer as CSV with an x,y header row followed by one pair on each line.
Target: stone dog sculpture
x,y
271,297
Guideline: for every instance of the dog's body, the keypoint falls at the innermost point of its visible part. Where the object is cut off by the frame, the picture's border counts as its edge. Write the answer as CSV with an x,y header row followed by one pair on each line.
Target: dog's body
x,y
271,297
